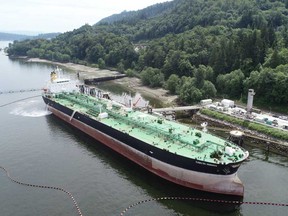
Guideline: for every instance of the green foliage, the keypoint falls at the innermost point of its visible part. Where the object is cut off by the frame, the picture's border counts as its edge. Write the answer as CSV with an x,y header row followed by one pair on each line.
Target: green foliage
x,y
233,45
177,61
101,63
269,84
172,84
81,45
208,90
189,93
19,48
152,77
130,73
231,84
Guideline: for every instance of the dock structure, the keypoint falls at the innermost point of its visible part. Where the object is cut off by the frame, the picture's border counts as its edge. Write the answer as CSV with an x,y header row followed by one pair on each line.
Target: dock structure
x,y
175,109
170,112
92,76
95,80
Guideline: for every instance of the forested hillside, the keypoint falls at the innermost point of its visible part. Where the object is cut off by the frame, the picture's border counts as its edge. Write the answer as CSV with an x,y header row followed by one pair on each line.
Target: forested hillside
x,y
195,48
135,16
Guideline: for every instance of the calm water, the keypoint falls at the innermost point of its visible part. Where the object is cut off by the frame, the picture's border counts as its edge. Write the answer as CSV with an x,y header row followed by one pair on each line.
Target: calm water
x,y
38,148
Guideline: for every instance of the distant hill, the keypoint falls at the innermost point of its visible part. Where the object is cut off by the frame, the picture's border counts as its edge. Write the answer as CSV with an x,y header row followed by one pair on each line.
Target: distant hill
x,y
11,37
135,16
196,49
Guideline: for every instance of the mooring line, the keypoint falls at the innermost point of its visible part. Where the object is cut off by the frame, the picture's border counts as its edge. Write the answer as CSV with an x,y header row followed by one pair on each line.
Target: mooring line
x,y
45,187
201,200
19,100
234,202
19,91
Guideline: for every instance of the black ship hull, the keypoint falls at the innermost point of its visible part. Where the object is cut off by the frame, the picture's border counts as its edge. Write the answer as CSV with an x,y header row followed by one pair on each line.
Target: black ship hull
x,y
218,178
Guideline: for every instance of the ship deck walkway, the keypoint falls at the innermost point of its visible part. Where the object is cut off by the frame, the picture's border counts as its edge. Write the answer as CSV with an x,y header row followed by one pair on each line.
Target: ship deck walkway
x,y
154,130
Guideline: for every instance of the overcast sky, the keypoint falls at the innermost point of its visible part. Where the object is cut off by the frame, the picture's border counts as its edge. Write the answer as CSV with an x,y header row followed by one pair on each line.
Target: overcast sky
x,y
61,15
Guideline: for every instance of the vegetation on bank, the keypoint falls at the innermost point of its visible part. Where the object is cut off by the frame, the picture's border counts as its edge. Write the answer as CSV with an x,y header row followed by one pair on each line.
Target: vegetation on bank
x,y
277,133
196,49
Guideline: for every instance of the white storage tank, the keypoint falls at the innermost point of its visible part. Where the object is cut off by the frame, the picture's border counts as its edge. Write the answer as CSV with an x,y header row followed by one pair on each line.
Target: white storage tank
x,y
205,102
227,103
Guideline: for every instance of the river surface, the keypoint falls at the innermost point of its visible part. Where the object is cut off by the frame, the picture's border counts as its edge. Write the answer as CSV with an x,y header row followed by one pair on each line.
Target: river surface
x,y
37,148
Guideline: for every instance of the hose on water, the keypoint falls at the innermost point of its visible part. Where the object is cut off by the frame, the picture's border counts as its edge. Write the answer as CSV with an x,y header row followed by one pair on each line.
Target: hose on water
x,y
19,100
19,91
45,187
137,203
235,202
34,185
201,200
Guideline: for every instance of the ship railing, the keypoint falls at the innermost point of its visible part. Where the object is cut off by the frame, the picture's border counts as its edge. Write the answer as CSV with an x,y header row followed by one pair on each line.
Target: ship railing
x,y
94,110
226,142
156,130
84,101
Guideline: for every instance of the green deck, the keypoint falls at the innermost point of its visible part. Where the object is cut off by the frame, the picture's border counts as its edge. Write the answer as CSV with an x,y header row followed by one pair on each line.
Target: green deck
x,y
169,135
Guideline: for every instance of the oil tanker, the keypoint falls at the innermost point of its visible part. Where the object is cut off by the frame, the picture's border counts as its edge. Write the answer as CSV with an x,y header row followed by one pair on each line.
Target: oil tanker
x,y
176,152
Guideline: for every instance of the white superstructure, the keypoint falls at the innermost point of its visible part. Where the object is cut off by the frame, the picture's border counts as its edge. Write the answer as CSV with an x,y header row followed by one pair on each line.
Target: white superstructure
x,y
60,83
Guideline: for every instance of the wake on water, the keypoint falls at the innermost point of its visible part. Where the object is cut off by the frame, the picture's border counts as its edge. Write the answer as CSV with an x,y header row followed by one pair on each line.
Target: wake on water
x,y
31,108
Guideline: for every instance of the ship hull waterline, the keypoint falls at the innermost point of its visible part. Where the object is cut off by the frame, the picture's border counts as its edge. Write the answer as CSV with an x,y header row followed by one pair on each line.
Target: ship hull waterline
x,y
221,184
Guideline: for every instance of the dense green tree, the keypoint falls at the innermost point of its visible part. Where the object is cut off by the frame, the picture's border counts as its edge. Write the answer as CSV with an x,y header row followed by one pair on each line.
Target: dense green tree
x,y
251,82
280,91
130,73
231,84
269,84
185,92
229,43
35,52
154,56
208,90
120,67
101,63
273,60
200,77
152,77
189,94
95,52
172,84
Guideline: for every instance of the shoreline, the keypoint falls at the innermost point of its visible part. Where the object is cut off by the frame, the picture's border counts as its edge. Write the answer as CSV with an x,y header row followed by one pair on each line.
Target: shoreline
x,y
75,67
134,83
159,93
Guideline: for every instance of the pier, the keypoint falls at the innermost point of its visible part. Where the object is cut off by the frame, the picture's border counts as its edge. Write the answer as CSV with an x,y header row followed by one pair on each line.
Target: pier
x,y
171,111
92,76
93,81
175,109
